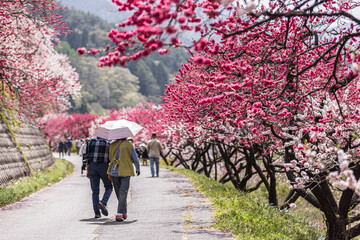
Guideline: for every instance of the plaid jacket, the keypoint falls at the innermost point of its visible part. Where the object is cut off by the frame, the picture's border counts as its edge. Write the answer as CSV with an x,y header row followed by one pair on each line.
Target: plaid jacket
x,y
97,150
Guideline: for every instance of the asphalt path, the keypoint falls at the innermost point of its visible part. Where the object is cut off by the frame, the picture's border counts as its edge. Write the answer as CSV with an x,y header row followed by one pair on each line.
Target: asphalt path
x,y
166,208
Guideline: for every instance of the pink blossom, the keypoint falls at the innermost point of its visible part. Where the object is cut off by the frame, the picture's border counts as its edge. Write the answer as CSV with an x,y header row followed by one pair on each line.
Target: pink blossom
x,y
175,41
163,51
81,51
93,51
171,29
201,44
199,59
181,19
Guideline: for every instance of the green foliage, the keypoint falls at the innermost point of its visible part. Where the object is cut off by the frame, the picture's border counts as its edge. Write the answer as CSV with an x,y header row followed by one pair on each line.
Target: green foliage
x,y
155,71
160,75
107,88
171,61
39,180
148,84
248,218
102,88
304,209
87,29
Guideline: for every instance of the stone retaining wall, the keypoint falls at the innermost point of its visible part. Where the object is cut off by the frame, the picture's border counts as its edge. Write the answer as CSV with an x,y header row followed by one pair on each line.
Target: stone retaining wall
x,y
33,147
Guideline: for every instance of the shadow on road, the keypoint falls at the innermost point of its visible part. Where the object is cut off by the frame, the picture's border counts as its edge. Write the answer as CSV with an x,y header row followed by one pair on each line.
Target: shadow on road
x,y
120,223
105,221
94,220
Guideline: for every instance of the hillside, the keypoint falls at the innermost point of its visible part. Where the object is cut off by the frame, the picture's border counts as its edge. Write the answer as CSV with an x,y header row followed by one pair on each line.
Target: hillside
x,y
107,11
142,80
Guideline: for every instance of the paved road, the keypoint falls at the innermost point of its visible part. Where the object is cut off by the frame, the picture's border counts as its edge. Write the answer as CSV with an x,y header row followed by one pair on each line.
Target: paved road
x,y
165,208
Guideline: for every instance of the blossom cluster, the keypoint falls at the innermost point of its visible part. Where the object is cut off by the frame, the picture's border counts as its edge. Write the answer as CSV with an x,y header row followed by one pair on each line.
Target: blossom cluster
x,y
31,71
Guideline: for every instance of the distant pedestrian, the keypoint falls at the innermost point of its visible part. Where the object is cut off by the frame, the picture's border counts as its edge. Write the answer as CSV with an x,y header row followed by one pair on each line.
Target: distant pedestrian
x,y
68,144
61,149
97,155
154,150
78,144
144,154
122,158
82,153
65,148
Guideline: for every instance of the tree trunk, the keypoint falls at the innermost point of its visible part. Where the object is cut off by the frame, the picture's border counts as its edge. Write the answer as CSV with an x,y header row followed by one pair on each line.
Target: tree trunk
x,y
273,200
336,230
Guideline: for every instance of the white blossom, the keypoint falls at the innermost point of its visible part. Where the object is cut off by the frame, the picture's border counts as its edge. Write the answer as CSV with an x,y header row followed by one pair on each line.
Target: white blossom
x,y
342,185
292,205
344,164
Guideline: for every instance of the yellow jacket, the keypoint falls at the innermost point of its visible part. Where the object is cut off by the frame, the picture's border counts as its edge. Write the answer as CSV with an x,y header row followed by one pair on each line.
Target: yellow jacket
x,y
125,163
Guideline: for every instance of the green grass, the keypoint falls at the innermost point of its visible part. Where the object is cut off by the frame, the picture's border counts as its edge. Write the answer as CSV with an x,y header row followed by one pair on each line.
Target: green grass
x,y
26,186
248,218
309,214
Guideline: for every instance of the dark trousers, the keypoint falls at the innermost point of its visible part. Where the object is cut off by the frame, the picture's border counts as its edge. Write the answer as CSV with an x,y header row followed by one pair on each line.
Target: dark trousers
x,y
121,186
61,151
97,172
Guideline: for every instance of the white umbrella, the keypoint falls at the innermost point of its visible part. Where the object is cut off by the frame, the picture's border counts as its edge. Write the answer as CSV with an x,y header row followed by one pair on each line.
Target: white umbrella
x,y
112,130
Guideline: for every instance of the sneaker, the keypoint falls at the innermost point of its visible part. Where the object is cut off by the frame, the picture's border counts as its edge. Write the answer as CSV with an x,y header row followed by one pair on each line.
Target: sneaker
x,y
120,217
97,215
103,208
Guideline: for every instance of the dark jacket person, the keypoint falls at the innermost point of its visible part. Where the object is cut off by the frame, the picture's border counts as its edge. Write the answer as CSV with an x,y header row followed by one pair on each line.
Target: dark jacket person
x,y
97,150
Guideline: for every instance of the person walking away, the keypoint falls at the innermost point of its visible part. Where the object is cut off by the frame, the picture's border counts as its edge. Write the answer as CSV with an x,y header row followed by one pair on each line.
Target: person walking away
x,y
78,144
65,149
97,156
144,154
68,145
82,153
122,157
61,149
154,150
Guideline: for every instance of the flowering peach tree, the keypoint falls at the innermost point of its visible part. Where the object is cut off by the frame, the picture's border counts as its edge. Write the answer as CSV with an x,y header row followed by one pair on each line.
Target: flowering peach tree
x,y
35,79
278,78
59,127
289,97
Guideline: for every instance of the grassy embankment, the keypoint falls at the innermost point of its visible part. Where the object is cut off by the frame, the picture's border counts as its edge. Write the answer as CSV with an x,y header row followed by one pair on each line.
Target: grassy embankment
x,y
247,217
28,185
